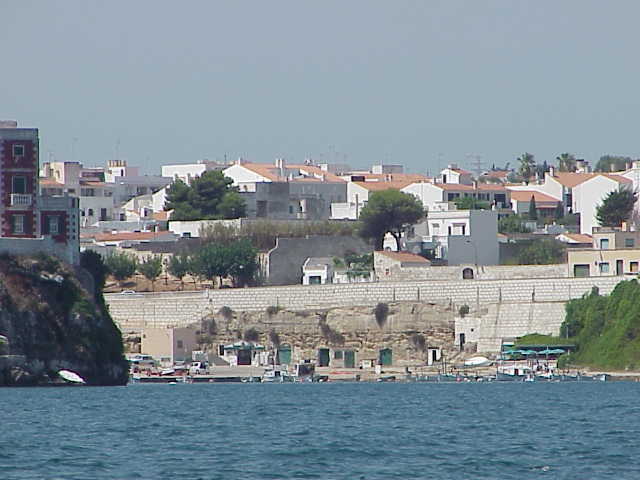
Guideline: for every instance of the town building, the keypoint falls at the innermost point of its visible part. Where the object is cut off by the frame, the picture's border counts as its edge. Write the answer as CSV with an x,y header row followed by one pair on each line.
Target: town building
x,y
546,205
189,171
397,265
286,191
30,222
457,237
169,345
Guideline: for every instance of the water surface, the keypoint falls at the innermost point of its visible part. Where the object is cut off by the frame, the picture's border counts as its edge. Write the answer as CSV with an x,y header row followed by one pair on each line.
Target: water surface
x,y
327,431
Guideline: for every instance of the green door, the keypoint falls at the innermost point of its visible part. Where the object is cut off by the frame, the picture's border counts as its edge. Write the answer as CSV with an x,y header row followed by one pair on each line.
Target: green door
x,y
323,357
349,359
386,357
284,355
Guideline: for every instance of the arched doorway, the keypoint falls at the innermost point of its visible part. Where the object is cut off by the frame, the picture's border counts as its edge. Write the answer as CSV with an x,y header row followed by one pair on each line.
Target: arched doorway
x,y
467,274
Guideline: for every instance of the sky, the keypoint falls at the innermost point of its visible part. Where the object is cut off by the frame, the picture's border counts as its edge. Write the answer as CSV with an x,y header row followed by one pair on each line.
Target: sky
x,y
421,83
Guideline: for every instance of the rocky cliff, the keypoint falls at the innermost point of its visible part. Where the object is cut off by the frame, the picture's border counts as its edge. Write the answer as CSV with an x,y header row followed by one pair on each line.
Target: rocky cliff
x,y
49,322
407,328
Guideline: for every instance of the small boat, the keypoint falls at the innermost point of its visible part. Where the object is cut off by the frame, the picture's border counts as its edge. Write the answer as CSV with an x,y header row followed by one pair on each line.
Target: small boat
x,y
388,378
478,362
276,375
71,377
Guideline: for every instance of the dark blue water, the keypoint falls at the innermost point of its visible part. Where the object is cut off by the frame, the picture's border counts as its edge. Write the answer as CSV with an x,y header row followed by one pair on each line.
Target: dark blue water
x,y
341,431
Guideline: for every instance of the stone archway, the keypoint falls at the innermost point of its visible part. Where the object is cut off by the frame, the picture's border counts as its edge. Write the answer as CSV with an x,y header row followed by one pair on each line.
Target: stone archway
x,y
467,274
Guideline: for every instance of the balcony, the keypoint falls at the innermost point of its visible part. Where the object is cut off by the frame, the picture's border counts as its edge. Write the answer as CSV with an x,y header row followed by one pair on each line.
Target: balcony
x,y
21,200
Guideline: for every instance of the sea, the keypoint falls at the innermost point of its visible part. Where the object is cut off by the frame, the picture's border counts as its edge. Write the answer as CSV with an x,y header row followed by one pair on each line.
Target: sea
x,y
570,430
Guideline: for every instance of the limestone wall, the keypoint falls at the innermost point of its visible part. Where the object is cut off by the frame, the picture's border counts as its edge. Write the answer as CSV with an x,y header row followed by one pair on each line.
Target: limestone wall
x,y
134,311
481,272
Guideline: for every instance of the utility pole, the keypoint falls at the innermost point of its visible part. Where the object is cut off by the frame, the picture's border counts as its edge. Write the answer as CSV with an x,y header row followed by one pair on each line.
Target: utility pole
x,y
475,160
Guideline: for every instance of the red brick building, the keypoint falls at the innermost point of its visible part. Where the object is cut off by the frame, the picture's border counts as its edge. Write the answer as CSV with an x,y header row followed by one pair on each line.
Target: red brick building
x,y
45,223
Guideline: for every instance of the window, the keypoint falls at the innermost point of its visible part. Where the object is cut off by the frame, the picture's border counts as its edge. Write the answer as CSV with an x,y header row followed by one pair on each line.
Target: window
x,y
54,225
604,267
82,213
629,242
180,344
581,270
18,150
604,244
633,267
337,355
19,184
90,212
18,224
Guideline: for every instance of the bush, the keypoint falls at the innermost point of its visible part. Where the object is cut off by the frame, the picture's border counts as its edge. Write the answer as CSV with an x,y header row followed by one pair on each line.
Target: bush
x,y
226,312
274,338
381,313
330,335
251,335
272,310
419,342
463,311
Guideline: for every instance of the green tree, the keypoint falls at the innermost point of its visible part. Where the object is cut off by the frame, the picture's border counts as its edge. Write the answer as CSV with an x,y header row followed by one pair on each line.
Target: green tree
x,y
512,224
533,209
389,211
242,263
179,266
527,166
93,263
471,203
211,261
121,265
612,163
542,252
151,268
616,208
210,196
566,162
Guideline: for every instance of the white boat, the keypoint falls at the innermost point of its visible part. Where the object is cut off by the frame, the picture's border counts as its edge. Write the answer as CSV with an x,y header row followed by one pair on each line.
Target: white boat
x,y
71,377
276,375
477,362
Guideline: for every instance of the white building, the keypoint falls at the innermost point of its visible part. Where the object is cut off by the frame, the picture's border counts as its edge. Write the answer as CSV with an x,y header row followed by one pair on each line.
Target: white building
x,y
458,236
188,171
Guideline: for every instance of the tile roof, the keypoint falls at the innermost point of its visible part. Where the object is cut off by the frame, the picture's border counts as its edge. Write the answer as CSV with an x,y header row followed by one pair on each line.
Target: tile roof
x,y
577,237
120,236
271,172
454,186
379,186
570,179
50,182
492,187
404,257
525,196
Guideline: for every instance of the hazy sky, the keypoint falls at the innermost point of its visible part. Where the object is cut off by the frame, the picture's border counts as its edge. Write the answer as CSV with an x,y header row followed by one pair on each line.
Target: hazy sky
x,y
414,82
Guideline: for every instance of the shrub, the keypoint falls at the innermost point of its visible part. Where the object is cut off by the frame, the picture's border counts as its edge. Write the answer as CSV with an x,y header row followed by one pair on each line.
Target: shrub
x,y
463,311
274,338
330,335
381,313
419,342
272,310
251,335
226,312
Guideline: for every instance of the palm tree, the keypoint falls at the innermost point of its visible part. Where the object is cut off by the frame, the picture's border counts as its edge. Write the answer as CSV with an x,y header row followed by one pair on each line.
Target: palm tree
x,y
566,162
527,166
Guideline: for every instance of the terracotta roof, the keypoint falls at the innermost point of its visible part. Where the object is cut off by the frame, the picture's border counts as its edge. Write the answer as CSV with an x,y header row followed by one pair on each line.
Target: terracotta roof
x,y
454,186
95,184
379,186
404,257
120,236
577,237
271,172
160,215
50,182
570,179
525,196
496,174
492,186
400,177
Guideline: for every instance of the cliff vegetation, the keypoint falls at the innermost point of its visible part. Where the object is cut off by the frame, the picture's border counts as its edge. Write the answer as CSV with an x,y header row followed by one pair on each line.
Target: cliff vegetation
x,y
51,319
605,329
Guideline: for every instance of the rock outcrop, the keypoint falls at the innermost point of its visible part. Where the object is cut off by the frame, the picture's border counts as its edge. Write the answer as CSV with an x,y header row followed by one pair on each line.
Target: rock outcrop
x,y
49,322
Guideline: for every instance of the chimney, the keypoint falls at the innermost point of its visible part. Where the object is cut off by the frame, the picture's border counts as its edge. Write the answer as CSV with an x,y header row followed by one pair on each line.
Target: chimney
x,y
280,162
474,184
240,161
624,227
552,171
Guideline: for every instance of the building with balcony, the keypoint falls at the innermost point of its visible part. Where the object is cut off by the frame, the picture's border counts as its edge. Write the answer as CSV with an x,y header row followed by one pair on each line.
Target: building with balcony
x,y
30,222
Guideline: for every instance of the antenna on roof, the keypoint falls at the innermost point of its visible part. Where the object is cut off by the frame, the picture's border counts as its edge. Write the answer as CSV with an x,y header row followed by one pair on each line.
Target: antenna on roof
x,y
476,163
